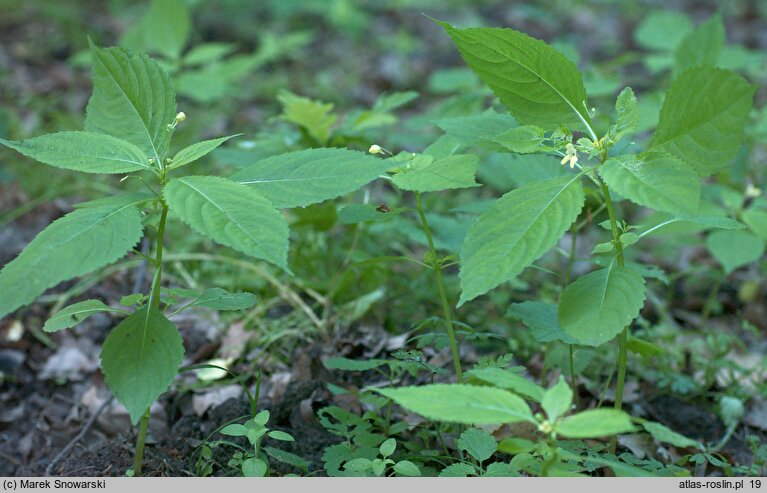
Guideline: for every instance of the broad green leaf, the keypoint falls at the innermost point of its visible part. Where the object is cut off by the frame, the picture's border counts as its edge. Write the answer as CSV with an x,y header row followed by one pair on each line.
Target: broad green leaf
x,y
557,400
347,364
83,151
254,468
597,306
196,151
514,446
287,458
451,172
314,116
207,53
478,131
756,219
595,423
132,99
164,29
703,118
526,139
118,201
360,213
140,358
521,226
478,443
358,465
507,171
663,30
627,110
75,314
388,447
234,430
656,180
702,46
667,435
718,222
281,436
75,245
220,299
459,403
406,468
508,380
541,318
536,83
457,470
735,248
231,214
306,177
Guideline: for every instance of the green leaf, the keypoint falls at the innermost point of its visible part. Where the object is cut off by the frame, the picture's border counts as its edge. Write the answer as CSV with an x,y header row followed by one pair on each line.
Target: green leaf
x,y
388,447
478,443
756,219
541,318
597,306
595,423
735,248
536,83
254,468
662,30
557,400
140,359
358,465
526,139
75,314
119,200
508,380
287,458
703,118
313,175
281,436
478,131
132,99
75,245
514,446
231,214
627,109
196,151
220,299
353,365
164,29
451,172
360,213
459,403
656,180
702,46
406,468
457,470
521,226
667,435
234,430
314,116
82,151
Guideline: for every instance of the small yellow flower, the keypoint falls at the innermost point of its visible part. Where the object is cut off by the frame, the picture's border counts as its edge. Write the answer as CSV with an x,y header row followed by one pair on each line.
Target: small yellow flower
x,y
375,149
180,117
752,191
571,155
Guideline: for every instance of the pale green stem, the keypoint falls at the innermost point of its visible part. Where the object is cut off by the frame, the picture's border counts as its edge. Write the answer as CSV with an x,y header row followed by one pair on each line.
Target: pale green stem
x,y
437,268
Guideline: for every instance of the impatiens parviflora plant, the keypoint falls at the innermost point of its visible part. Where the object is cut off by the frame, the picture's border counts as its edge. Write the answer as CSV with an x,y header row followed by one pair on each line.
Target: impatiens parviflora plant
x,y
699,131
129,123
498,396
434,171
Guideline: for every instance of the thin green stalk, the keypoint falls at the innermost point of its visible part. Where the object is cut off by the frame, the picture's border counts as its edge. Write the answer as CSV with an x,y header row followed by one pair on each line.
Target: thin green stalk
x,y
565,282
623,337
154,302
437,268
138,456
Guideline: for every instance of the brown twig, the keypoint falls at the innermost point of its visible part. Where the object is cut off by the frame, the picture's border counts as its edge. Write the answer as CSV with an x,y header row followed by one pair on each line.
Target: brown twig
x,y
78,437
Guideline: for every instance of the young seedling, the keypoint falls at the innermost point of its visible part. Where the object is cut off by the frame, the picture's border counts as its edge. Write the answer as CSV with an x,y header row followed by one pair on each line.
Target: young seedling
x,y
130,120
